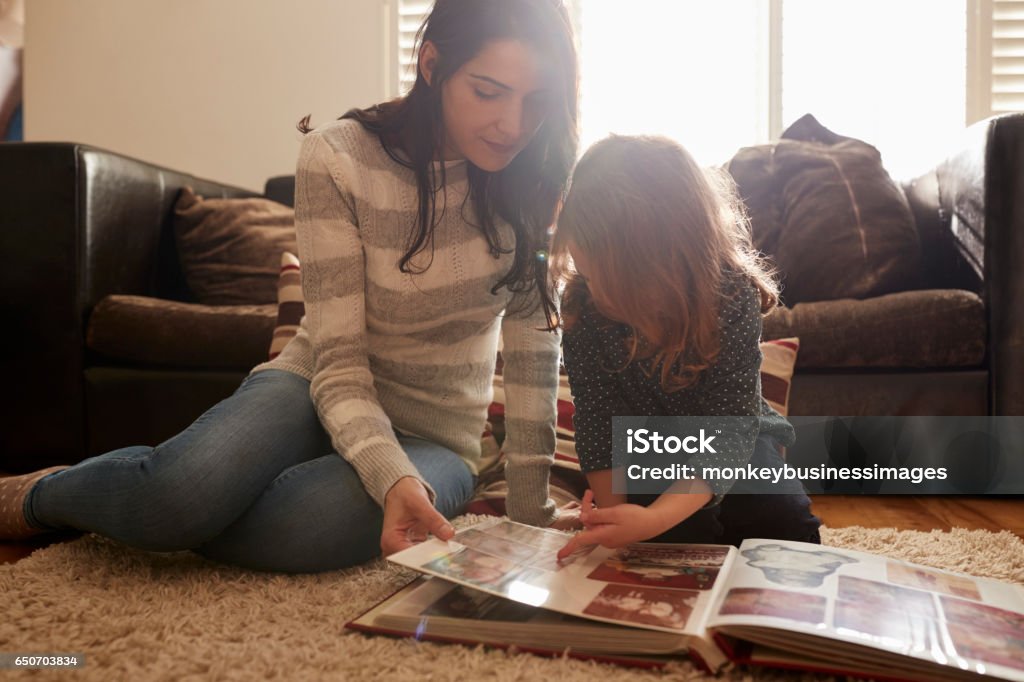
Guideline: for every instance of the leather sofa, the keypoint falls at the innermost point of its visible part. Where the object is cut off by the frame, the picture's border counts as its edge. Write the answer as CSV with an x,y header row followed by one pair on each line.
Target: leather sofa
x,y
86,237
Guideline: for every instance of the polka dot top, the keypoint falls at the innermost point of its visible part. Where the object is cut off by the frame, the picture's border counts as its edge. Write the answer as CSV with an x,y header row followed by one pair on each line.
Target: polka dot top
x,y
594,347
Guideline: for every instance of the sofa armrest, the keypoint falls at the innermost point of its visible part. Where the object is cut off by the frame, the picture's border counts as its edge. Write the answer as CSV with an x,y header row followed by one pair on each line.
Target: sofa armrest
x,y
78,223
970,215
1004,261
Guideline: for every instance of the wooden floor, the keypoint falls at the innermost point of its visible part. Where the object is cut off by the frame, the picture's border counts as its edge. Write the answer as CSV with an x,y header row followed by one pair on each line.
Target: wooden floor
x,y
926,512
836,511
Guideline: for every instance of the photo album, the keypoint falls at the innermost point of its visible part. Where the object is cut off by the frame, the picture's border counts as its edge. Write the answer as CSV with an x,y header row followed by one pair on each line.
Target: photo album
x,y
769,602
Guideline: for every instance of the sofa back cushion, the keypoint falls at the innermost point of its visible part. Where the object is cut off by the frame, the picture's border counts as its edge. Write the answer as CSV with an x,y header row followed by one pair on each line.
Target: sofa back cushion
x,y
280,188
230,248
924,329
154,332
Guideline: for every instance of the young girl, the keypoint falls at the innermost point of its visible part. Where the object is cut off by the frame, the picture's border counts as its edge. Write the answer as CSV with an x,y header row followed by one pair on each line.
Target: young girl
x,y
662,316
420,223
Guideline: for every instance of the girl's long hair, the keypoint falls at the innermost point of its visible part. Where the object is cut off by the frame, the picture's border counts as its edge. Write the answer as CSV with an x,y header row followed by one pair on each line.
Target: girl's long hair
x,y
659,234
527,192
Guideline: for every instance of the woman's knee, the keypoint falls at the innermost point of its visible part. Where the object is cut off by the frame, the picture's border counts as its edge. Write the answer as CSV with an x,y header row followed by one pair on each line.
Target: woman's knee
x,y
166,510
191,487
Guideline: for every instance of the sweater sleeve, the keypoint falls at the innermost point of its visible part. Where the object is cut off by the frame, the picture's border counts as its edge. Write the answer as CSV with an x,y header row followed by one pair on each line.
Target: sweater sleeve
x,y
333,288
530,355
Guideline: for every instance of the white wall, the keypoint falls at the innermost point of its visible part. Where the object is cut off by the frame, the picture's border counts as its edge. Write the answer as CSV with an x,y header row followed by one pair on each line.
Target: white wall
x,y
209,87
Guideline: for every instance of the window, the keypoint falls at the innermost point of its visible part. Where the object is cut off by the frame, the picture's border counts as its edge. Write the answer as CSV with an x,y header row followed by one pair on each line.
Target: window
x,y
890,72
904,75
683,69
1002,58
409,14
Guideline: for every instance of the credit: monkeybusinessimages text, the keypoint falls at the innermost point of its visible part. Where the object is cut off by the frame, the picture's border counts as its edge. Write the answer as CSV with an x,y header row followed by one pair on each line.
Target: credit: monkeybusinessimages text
x,y
685,472
644,441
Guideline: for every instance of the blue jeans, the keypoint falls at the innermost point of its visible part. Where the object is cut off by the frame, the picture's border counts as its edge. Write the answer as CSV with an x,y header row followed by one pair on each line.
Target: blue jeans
x,y
254,482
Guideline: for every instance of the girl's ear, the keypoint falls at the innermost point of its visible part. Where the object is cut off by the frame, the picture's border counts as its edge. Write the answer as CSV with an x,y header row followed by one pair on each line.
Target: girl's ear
x,y
428,60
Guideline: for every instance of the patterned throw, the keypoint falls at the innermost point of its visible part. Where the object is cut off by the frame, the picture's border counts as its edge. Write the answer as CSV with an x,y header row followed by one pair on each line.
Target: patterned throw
x,y
777,363
567,482
289,303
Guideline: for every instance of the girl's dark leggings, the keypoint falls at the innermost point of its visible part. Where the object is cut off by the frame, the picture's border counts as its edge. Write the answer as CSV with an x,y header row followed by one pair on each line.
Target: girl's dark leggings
x,y
740,516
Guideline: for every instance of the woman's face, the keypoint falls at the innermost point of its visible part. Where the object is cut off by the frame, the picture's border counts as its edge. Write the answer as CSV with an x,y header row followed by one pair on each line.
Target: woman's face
x,y
494,104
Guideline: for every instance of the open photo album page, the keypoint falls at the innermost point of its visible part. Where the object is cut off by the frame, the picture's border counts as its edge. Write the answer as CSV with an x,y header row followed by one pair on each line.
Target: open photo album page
x,y
935,616
658,587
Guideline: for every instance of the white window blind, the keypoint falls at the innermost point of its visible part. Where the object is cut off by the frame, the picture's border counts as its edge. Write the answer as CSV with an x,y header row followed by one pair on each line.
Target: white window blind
x,y
1007,56
411,14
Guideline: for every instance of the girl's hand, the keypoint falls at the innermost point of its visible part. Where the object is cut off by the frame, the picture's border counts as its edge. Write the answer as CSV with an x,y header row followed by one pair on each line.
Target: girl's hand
x,y
614,526
409,516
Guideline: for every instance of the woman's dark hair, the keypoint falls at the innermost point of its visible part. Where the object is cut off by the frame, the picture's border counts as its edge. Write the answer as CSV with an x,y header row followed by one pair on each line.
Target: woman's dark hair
x,y
528,191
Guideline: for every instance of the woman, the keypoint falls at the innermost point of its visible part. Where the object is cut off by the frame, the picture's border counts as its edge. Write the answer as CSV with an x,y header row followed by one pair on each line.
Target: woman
x,y
421,225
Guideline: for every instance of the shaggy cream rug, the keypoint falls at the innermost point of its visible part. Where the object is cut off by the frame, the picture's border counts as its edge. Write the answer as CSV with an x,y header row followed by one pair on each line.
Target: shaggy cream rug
x,y
144,616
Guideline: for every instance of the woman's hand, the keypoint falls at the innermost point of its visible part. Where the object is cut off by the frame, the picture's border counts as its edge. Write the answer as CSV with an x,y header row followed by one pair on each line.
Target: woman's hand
x,y
567,517
409,516
614,526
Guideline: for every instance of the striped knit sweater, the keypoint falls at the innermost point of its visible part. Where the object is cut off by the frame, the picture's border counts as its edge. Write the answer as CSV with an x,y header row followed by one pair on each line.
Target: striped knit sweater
x,y
416,352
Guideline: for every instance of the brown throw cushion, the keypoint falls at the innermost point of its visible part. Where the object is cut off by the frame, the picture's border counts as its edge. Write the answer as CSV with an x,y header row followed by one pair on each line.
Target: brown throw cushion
x,y
826,211
230,248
